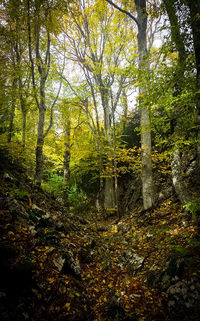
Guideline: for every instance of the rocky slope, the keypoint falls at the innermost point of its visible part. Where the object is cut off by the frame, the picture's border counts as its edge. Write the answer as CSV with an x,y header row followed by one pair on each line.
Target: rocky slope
x,y
57,265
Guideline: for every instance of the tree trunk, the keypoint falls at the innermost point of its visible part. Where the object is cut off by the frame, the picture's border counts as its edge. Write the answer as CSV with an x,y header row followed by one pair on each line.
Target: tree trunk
x,y
177,179
109,190
24,114
147,180
66,165
195,24
39,147
11,122
125,109
177,38
109,194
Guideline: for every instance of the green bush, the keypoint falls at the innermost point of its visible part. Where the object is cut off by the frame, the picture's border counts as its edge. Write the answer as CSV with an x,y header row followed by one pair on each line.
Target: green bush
x,y
76,195
19,193
54,185
194,208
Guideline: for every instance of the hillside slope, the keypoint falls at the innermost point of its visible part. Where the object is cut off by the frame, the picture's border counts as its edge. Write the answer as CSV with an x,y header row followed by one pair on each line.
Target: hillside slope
x,y
57,265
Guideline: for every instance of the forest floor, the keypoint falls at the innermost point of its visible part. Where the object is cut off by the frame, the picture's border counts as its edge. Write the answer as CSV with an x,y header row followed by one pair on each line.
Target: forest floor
x,y
65,265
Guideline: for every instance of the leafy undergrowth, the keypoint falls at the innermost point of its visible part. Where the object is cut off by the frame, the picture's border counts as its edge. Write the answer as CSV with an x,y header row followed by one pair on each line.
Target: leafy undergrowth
x,y
108,278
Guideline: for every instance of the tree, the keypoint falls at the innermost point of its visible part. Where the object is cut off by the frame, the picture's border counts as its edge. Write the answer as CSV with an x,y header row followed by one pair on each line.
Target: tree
x,y
39,24
147,179
194,7
99,55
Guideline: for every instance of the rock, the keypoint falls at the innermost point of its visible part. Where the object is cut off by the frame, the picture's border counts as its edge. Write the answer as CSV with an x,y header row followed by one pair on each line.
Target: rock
x,y
132,260
85,255
37,211
70,266
175,267
58,261
15,208
183,299
49,236
115,310
172,273
8,177
154,277
32,230
165,193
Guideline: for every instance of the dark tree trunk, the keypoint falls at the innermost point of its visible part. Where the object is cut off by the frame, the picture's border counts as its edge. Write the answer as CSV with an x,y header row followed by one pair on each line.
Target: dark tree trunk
x,y
194,6
24,118
11,122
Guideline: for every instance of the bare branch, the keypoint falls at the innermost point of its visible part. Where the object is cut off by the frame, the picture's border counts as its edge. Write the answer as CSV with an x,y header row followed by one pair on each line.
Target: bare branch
x,y
122,10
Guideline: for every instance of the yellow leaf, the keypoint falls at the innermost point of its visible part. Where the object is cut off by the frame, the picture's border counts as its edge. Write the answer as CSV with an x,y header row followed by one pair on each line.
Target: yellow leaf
x,y
67,305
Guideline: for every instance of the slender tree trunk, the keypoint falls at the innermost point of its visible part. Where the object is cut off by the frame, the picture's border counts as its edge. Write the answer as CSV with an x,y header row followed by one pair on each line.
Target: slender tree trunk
x,y
109,191
12,113
11,121
125,109
99,200
24,118
66,164
39,147
147,179
115,163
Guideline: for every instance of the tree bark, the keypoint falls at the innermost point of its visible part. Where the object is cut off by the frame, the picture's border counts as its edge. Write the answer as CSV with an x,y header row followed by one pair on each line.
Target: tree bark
x,y
177,178
39,147
147,179
109,189
11,121
24,118
12,113
66,163
195,24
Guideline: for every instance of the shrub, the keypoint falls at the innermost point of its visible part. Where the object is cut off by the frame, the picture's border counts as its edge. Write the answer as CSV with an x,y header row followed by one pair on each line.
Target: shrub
x,y
76,195
54,185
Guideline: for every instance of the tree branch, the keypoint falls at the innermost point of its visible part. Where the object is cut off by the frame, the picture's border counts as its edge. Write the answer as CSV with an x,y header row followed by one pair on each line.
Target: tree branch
x,y
122,10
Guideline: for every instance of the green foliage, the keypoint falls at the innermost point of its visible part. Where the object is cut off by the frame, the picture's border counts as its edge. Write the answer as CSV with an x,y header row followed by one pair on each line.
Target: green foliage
x,y
180,249
193,207
19,193
54,185
76,195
